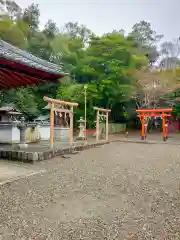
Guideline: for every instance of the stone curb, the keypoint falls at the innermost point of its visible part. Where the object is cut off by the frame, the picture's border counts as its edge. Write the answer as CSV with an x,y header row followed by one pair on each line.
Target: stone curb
x,y
136,141
31,157
146,141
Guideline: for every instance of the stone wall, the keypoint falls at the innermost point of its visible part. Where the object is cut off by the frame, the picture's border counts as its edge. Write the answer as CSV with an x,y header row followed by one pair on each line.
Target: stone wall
x,y
31,157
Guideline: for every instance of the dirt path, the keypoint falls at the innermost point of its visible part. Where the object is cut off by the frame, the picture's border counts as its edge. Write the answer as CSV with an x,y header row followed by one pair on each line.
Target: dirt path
x,y
117,191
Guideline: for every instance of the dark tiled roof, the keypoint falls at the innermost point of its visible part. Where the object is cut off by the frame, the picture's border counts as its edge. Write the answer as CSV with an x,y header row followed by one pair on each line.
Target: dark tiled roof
x,y
43,118
15,54
8,108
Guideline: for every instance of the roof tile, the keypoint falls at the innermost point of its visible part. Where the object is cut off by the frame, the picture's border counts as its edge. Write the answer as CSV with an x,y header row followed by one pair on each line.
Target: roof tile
x,y
15,54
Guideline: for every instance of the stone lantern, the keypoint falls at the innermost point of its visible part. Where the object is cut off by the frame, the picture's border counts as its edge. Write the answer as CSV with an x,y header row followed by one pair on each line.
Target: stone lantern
x,y
22,127
81,135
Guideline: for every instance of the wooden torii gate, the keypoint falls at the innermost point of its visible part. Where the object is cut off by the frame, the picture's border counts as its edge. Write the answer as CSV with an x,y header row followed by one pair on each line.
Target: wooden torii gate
x,y
105,113
163,113
60,103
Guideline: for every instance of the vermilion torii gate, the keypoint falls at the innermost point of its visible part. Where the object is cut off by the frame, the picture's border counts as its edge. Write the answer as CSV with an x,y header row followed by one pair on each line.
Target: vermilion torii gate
x,y
143,114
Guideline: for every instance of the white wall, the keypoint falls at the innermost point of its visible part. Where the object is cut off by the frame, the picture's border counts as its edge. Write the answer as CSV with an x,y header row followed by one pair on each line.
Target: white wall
x,y
9,134
44,132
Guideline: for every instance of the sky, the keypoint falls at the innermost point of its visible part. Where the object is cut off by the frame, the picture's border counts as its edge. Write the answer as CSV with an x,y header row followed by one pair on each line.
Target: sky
x,y
106,15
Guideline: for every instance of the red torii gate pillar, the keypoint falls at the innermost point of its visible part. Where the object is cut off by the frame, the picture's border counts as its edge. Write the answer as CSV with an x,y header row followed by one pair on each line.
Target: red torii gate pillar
x,y
142,126
163,113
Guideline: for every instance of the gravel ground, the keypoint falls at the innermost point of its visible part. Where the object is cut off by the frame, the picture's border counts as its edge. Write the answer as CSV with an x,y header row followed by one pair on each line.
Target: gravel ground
x,y
118,191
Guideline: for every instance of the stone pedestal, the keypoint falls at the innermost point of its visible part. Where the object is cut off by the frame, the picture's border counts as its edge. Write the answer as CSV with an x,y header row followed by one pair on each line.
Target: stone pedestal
x,y
61,133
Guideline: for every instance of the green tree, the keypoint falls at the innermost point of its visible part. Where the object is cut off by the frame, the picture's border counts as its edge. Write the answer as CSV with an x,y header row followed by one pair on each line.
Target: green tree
x,y
145,40
50,30
74,30
105,65
14,32
31,16
24,99
75,92
143,34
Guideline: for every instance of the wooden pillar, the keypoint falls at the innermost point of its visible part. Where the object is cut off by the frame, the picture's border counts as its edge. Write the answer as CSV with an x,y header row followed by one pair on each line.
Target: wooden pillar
x,y
51,125
97,125
143,127
107,127
71,128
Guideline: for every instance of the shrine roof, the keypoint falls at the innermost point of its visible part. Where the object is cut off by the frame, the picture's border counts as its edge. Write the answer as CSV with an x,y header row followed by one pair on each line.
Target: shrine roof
x,y
9,108
47,107
15,54
43,118
20,68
